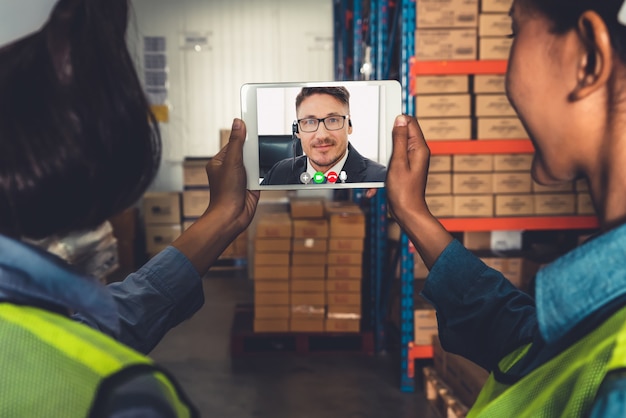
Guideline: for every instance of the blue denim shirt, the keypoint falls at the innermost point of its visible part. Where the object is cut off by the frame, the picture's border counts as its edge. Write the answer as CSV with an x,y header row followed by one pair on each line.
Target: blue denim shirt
x,y
137,311
483,317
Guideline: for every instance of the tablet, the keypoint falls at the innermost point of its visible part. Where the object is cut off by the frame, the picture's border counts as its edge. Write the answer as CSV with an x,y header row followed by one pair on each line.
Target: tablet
x,y
319,135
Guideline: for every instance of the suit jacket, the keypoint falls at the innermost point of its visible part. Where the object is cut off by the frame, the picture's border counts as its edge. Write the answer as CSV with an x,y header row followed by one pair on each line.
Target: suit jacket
x,y
358,168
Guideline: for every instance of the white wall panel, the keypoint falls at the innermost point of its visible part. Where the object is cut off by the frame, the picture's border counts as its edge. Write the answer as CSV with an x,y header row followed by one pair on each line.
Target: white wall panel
x,y
250,41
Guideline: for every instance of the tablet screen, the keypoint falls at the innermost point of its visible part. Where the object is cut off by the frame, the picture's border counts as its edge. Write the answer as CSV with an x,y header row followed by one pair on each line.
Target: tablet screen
x,y
319,135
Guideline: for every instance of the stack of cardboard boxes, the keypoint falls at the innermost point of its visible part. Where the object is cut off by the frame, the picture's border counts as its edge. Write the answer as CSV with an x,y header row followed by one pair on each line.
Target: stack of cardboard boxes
x,y
500,185
458,107
308,268
196,198
161,214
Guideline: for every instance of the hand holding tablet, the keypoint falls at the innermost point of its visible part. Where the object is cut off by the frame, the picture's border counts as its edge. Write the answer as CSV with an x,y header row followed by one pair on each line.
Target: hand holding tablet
x,y
319,135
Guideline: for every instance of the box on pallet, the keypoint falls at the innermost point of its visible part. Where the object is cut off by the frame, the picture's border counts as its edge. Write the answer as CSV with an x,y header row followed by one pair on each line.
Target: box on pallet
x,y
472,163
194,172
446,14
441,206
446,44
446,129
443,105
473,206
489,83
439,183
269,311
306,208
160,236
515,205
425,326
161,208
310,228
472,183
195,202
512,162
274,225
442,84
512,182
346,220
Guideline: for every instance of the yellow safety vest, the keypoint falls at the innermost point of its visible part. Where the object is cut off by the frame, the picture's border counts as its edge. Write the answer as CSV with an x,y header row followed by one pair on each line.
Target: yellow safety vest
x,y
565,386
53,366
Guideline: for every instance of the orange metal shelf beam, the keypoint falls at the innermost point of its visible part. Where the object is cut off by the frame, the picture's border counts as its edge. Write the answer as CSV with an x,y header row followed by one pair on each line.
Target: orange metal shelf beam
x,y
457,67
418,352
482,146
519,223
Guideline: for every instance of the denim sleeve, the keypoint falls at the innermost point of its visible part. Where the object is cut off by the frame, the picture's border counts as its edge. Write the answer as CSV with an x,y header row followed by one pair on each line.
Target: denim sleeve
x,y
160,295
611,399
480,314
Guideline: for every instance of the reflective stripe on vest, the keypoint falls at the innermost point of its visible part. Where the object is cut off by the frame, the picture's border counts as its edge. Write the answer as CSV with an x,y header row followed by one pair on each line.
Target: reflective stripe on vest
x,y
53,366
564,386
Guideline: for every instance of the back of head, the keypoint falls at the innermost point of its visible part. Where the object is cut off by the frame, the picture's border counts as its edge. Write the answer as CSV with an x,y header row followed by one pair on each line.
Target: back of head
x,y
565,15
340,93
77,141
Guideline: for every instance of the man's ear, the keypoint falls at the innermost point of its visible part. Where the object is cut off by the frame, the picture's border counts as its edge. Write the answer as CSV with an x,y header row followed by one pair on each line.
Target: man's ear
x,y
595,58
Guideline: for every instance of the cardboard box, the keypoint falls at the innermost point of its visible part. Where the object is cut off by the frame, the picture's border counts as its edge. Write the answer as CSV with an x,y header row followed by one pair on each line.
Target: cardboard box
x,y
489,83
348,286
556,188
308,272
494,24
274,225
269,245
342,325
306,325
346,244
477,241
344,312
473,206
308,259
512,162
501,128
309,245
584,204
446,14
343,299
515,205
555,204
439,184
344,272
271,272
344,259
443,105
271,286
267,312
441,206
495,6
446,44
425,326
581,185
308,311
306,208
271,325
472,163
472,183
494,48
307,298
271,259
271,299
492,105
438,129
194,172
440,164
311,286
346,220
161,208
158,237
310,228
441,84
512,182
195,202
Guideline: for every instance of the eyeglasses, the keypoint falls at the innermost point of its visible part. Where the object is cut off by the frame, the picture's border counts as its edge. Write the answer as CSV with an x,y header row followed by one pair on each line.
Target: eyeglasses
x,y
332,123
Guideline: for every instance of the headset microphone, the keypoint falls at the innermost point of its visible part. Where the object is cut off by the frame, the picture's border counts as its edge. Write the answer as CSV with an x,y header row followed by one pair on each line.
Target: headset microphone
x,y
294,128
350,123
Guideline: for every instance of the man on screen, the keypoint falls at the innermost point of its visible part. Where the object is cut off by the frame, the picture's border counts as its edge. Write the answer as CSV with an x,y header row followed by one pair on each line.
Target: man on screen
x,y
323,125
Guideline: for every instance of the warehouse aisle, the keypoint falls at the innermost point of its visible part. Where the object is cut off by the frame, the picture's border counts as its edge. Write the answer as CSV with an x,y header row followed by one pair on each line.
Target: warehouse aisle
x,y
281,385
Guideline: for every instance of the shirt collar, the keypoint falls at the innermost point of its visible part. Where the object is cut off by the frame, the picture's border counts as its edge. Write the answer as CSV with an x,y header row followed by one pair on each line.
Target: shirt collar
x,y
336,168
30,275
581,282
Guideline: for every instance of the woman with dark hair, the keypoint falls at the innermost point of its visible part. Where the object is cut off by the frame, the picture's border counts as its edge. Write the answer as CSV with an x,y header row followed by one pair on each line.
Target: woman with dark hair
x,y
562,353
78,144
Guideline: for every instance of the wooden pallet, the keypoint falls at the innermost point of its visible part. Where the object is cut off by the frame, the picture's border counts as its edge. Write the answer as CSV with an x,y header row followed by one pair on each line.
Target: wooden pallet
x,y
441,397
244,341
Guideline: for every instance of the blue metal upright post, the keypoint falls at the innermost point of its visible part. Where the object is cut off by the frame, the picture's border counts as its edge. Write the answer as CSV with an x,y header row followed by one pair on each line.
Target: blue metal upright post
x,y
357,41
406,258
